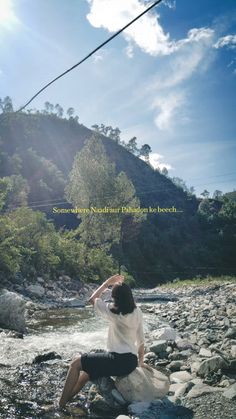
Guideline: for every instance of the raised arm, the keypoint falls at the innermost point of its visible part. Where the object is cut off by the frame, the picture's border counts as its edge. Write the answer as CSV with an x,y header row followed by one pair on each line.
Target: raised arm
x,y
110,281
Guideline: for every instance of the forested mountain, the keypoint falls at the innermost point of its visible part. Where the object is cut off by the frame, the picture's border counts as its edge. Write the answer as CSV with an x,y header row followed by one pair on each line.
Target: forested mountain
x,y
37,152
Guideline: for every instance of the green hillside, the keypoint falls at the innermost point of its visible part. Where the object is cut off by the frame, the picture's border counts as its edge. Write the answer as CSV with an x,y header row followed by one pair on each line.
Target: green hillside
x,y
36,156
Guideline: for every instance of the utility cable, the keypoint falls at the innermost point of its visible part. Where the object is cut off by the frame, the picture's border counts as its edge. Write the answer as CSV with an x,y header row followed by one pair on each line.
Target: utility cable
x,y
141,191
48,203
90,54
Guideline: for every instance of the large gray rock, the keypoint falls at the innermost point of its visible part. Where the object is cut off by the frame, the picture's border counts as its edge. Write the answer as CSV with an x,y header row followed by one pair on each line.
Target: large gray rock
x,y
158,346
164,333
231,333
178,389
12,311
230,393
180,377
205,353
36,290
104,398
201,389
211,365
143,385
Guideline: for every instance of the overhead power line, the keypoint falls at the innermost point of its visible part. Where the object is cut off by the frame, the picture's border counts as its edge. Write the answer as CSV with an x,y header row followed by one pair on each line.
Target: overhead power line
x,y
91,53
141,191
145,191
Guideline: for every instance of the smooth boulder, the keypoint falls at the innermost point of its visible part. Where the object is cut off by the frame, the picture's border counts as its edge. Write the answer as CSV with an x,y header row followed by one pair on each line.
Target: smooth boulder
x,y
36,290
211,365
143,385
12,311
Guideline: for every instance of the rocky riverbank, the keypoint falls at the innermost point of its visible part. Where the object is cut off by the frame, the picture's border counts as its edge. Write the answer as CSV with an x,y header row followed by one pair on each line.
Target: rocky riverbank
x,y
201,358
192,340
197,351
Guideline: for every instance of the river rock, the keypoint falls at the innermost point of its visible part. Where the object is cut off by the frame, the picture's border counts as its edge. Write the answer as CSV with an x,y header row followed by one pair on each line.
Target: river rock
x,y
183,344
211,365
158,409
176,356
46,357
231,333
175,365
180,377
98,404
36,290
12,311
233,351
73,302
40,280
201,389
205,353
158,347
178,389
143,385
165,333
230,393
107,389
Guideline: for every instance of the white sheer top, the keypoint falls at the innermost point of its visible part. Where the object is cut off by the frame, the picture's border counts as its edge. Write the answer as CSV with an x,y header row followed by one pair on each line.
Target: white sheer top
x,y
125,333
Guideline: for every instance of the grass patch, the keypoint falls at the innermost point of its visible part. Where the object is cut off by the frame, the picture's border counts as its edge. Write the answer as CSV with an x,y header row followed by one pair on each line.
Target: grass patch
x,y
199,281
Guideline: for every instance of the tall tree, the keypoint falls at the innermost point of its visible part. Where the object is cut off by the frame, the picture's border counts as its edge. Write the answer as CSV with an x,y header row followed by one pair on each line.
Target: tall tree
x,y
59,110
14,191
108,131
164,171
70,112
217,195
49,107
145,151
132,146
6,104
93,183
205,194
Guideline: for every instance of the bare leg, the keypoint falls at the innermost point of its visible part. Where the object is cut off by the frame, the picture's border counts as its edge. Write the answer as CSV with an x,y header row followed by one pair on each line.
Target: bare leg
x,y
71,380
83,379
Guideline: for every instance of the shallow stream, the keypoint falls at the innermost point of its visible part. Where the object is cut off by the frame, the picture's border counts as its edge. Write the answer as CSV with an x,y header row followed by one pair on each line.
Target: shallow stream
x,y
25,388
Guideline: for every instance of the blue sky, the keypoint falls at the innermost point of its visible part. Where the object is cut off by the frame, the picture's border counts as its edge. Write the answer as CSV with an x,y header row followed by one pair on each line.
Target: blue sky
x,y
169,80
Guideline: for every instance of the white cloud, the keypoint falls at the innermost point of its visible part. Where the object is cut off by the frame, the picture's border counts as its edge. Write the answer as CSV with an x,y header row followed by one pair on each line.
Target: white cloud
x,y
147,33
97,57
129,51
155,161
192,53
183,57
228,41
170,3
166,108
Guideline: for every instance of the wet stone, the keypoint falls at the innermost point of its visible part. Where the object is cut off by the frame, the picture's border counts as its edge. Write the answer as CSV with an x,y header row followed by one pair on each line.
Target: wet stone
x,y
46,357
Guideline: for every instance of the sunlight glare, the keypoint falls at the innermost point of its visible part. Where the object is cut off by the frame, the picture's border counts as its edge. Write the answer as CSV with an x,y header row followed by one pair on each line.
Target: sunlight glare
x,y
7,16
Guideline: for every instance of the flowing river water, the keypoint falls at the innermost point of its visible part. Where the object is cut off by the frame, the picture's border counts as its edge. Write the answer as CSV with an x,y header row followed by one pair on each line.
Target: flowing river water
x,y
67,332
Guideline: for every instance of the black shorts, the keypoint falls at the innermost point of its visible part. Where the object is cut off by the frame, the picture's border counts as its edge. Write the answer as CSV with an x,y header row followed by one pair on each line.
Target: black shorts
x,y
106,364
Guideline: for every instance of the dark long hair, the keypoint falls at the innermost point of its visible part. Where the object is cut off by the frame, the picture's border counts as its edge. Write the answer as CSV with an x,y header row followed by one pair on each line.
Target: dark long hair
x,y
123,299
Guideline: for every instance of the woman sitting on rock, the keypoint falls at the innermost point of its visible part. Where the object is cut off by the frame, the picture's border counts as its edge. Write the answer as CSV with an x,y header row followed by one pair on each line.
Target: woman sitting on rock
x,y
125,343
